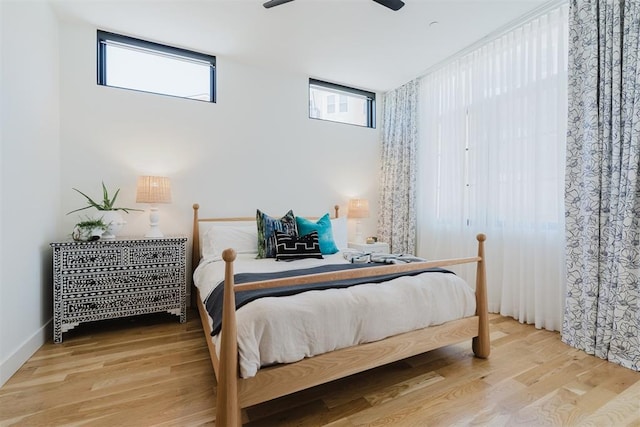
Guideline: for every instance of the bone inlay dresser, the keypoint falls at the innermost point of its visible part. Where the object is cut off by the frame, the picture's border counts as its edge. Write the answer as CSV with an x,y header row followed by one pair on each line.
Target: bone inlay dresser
x,y
105,279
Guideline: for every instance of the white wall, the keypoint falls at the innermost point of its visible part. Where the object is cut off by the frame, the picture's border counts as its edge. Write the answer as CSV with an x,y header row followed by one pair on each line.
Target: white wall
x,y
3,105
29,177
254,148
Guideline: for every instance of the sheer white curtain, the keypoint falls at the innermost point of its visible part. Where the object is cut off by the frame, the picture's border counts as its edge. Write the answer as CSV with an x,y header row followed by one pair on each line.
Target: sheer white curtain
x,y
491,159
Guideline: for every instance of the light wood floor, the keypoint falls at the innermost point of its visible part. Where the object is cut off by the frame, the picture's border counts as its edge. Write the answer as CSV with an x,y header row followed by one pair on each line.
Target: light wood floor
x,y
152,370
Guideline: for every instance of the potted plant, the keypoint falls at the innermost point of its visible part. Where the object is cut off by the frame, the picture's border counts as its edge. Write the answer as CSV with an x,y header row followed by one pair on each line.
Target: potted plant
x,y
108,211
89,229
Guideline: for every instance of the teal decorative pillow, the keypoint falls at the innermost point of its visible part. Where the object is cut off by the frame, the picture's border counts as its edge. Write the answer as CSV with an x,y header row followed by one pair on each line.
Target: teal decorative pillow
x,y
291,248
325,233
266,227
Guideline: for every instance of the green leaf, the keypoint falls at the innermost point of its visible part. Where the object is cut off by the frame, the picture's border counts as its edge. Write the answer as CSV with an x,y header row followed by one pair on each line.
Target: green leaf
x,y
89,199
105,198
113,201
81,209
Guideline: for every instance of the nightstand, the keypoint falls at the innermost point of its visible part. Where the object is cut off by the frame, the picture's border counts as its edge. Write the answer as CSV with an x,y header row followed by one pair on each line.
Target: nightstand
x,y
105,279
378,247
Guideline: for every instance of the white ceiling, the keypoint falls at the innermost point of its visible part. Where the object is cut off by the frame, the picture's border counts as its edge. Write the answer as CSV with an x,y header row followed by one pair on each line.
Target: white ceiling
x,y
353,42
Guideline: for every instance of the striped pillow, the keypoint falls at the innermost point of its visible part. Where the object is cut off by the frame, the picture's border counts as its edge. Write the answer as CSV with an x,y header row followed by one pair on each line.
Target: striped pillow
x,y
290,247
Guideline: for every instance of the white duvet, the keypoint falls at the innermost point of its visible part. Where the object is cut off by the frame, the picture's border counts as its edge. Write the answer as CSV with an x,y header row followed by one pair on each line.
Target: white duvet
x,y
287,329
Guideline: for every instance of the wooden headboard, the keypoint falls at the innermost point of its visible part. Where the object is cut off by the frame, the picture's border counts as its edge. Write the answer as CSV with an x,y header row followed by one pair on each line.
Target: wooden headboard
x,y
196,249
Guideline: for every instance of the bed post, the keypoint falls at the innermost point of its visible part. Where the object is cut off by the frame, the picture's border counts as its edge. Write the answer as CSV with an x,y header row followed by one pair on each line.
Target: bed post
x,y
227,405
336,208
195,255
481,344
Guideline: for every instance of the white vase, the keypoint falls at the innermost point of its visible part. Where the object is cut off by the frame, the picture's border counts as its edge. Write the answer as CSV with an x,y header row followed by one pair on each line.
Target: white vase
x,y
114,222
84,234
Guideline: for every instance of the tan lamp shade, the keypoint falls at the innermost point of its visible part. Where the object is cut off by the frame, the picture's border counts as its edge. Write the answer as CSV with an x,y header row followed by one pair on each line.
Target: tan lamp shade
x,y
153,189
358,208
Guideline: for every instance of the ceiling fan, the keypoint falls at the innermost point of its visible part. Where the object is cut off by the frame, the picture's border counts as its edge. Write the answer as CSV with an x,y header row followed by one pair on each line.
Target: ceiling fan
x,y
391,4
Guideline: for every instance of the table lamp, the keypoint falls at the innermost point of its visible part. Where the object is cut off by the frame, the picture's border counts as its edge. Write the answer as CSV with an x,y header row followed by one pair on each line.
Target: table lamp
x,y
153,190
358,209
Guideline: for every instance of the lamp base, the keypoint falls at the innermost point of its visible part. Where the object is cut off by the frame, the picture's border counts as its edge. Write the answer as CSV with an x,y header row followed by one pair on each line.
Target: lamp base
x,y
154,221
154,232
359,237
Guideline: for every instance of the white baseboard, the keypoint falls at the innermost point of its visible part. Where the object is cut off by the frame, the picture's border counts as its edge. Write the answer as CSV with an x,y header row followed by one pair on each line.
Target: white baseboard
x,y
11,364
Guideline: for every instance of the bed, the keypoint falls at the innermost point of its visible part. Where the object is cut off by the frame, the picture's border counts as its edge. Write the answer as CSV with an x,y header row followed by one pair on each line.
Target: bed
x,y
249,368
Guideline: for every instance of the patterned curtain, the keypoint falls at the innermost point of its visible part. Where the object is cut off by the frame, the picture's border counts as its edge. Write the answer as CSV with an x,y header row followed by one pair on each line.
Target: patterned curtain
x,y
602,201
397,216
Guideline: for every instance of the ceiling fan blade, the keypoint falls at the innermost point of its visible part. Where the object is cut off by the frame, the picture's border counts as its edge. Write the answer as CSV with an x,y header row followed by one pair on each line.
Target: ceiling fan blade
x,y
272,3
391,4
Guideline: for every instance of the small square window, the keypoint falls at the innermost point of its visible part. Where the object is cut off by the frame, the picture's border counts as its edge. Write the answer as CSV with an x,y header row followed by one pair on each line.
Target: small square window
x,y
331,104
344,104
354,106
129,63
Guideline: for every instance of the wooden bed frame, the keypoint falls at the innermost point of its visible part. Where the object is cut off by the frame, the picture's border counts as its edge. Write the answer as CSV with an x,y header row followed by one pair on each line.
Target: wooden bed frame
x,y
234,392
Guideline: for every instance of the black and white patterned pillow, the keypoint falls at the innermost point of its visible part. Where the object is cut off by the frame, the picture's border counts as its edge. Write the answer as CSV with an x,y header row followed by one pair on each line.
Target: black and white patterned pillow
x,y
290,247
267,225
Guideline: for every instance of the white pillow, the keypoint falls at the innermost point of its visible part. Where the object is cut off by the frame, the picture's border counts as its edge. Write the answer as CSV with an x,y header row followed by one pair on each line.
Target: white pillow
x,y
241,236
339,227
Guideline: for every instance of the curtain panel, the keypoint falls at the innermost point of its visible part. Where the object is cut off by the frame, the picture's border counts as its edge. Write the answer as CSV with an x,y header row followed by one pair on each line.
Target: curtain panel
x,y
397,216
602,313
492,133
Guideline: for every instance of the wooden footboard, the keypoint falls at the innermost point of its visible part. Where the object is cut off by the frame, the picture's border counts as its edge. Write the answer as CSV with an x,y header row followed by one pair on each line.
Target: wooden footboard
x,y
235,393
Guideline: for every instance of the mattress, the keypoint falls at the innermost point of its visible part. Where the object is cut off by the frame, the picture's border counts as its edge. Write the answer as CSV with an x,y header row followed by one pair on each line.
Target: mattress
x,y
287,329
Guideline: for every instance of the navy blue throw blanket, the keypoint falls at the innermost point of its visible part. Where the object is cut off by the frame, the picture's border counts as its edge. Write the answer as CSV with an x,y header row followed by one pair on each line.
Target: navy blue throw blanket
x,y
213,302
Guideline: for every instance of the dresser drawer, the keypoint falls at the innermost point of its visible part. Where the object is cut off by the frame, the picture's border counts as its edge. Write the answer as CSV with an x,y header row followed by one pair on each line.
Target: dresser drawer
x,y
118,304
120,280
90,257
93,256
161,254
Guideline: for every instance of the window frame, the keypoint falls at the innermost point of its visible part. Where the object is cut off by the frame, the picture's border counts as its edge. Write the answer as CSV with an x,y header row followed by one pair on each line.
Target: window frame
x,y
104,37
347,90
